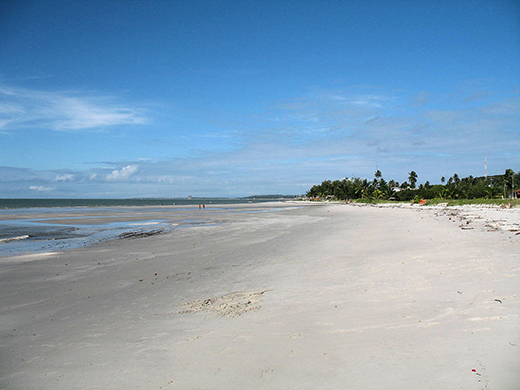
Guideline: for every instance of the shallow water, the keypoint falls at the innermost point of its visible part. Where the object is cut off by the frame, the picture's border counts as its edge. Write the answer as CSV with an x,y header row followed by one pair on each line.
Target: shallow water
x,y
30,235
50,229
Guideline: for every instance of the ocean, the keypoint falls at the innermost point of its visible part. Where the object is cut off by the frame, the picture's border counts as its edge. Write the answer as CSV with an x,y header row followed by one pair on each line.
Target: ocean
x,y
36,203
40,225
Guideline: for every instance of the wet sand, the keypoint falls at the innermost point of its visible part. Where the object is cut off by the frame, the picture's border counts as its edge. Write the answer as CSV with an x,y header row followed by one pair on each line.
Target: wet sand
x,y
319,296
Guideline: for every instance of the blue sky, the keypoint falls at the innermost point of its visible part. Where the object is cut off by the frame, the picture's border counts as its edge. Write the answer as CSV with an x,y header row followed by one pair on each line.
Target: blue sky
x,y
115,99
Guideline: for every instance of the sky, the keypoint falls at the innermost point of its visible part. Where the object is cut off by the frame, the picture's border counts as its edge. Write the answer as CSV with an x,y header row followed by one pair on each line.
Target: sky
x,y
116,99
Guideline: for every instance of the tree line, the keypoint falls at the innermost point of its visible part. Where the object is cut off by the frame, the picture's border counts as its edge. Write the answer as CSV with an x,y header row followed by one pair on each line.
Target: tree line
x,y
454,187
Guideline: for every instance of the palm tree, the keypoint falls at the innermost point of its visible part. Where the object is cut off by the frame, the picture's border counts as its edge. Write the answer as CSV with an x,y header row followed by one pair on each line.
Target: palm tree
x,y
509,181
456,178
443,179
377,194
377,178
389,192
412,178
508,178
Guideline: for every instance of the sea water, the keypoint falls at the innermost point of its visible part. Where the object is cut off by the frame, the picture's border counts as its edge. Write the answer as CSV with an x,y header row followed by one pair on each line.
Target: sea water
x,y
45,234
63,203
22,230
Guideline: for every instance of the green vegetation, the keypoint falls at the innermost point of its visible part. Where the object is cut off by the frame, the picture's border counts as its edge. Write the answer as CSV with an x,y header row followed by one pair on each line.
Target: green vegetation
x,y
492,190
459,202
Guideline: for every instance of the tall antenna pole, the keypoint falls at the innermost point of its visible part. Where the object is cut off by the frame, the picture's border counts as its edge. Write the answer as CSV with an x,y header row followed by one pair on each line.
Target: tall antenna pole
x,y
485,165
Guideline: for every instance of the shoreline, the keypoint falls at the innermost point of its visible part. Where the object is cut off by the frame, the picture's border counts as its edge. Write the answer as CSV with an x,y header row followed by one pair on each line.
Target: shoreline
x,y
44,229
70,203
308,297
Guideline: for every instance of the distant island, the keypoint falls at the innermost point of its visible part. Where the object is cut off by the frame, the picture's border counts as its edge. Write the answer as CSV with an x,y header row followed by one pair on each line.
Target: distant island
x,y
276,196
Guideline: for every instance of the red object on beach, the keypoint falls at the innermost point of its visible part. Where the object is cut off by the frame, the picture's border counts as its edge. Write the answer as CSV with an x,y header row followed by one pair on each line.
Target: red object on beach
x,y
474,370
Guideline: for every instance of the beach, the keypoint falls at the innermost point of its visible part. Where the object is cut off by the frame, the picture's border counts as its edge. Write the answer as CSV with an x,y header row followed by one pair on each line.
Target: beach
x,y
287,295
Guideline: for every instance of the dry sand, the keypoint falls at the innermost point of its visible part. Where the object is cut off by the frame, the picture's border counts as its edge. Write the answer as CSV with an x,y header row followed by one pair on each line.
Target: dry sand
x,y
324,296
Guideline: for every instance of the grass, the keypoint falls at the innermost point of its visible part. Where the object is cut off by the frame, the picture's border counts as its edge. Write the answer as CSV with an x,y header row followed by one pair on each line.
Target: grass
x,y
460,202
449,202
377,201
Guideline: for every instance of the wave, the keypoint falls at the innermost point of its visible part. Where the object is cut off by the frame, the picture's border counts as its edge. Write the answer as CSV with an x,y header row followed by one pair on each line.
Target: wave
x,y
4,240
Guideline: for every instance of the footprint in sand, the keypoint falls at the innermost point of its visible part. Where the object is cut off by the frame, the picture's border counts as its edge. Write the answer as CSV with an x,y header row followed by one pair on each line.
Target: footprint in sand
x,y
266,372
230,305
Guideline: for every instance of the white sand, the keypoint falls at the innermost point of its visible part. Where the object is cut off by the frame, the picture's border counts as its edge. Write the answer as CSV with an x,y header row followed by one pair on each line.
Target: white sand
x,y
326,296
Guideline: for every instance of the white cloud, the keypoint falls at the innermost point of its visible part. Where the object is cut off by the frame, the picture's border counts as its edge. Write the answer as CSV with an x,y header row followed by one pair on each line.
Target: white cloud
x,y
290,146
41,188
64,111
373,101
165,179
78,114
63,177
367,102
122,174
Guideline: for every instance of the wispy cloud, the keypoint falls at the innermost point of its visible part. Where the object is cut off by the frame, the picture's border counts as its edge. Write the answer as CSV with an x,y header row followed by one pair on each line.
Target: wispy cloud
x,y
477,95
63,111
64,177
41,188
504,107
421,98
289,147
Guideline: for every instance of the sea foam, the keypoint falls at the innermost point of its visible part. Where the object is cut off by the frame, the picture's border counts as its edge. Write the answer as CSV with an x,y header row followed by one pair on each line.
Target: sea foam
x,y
4,240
